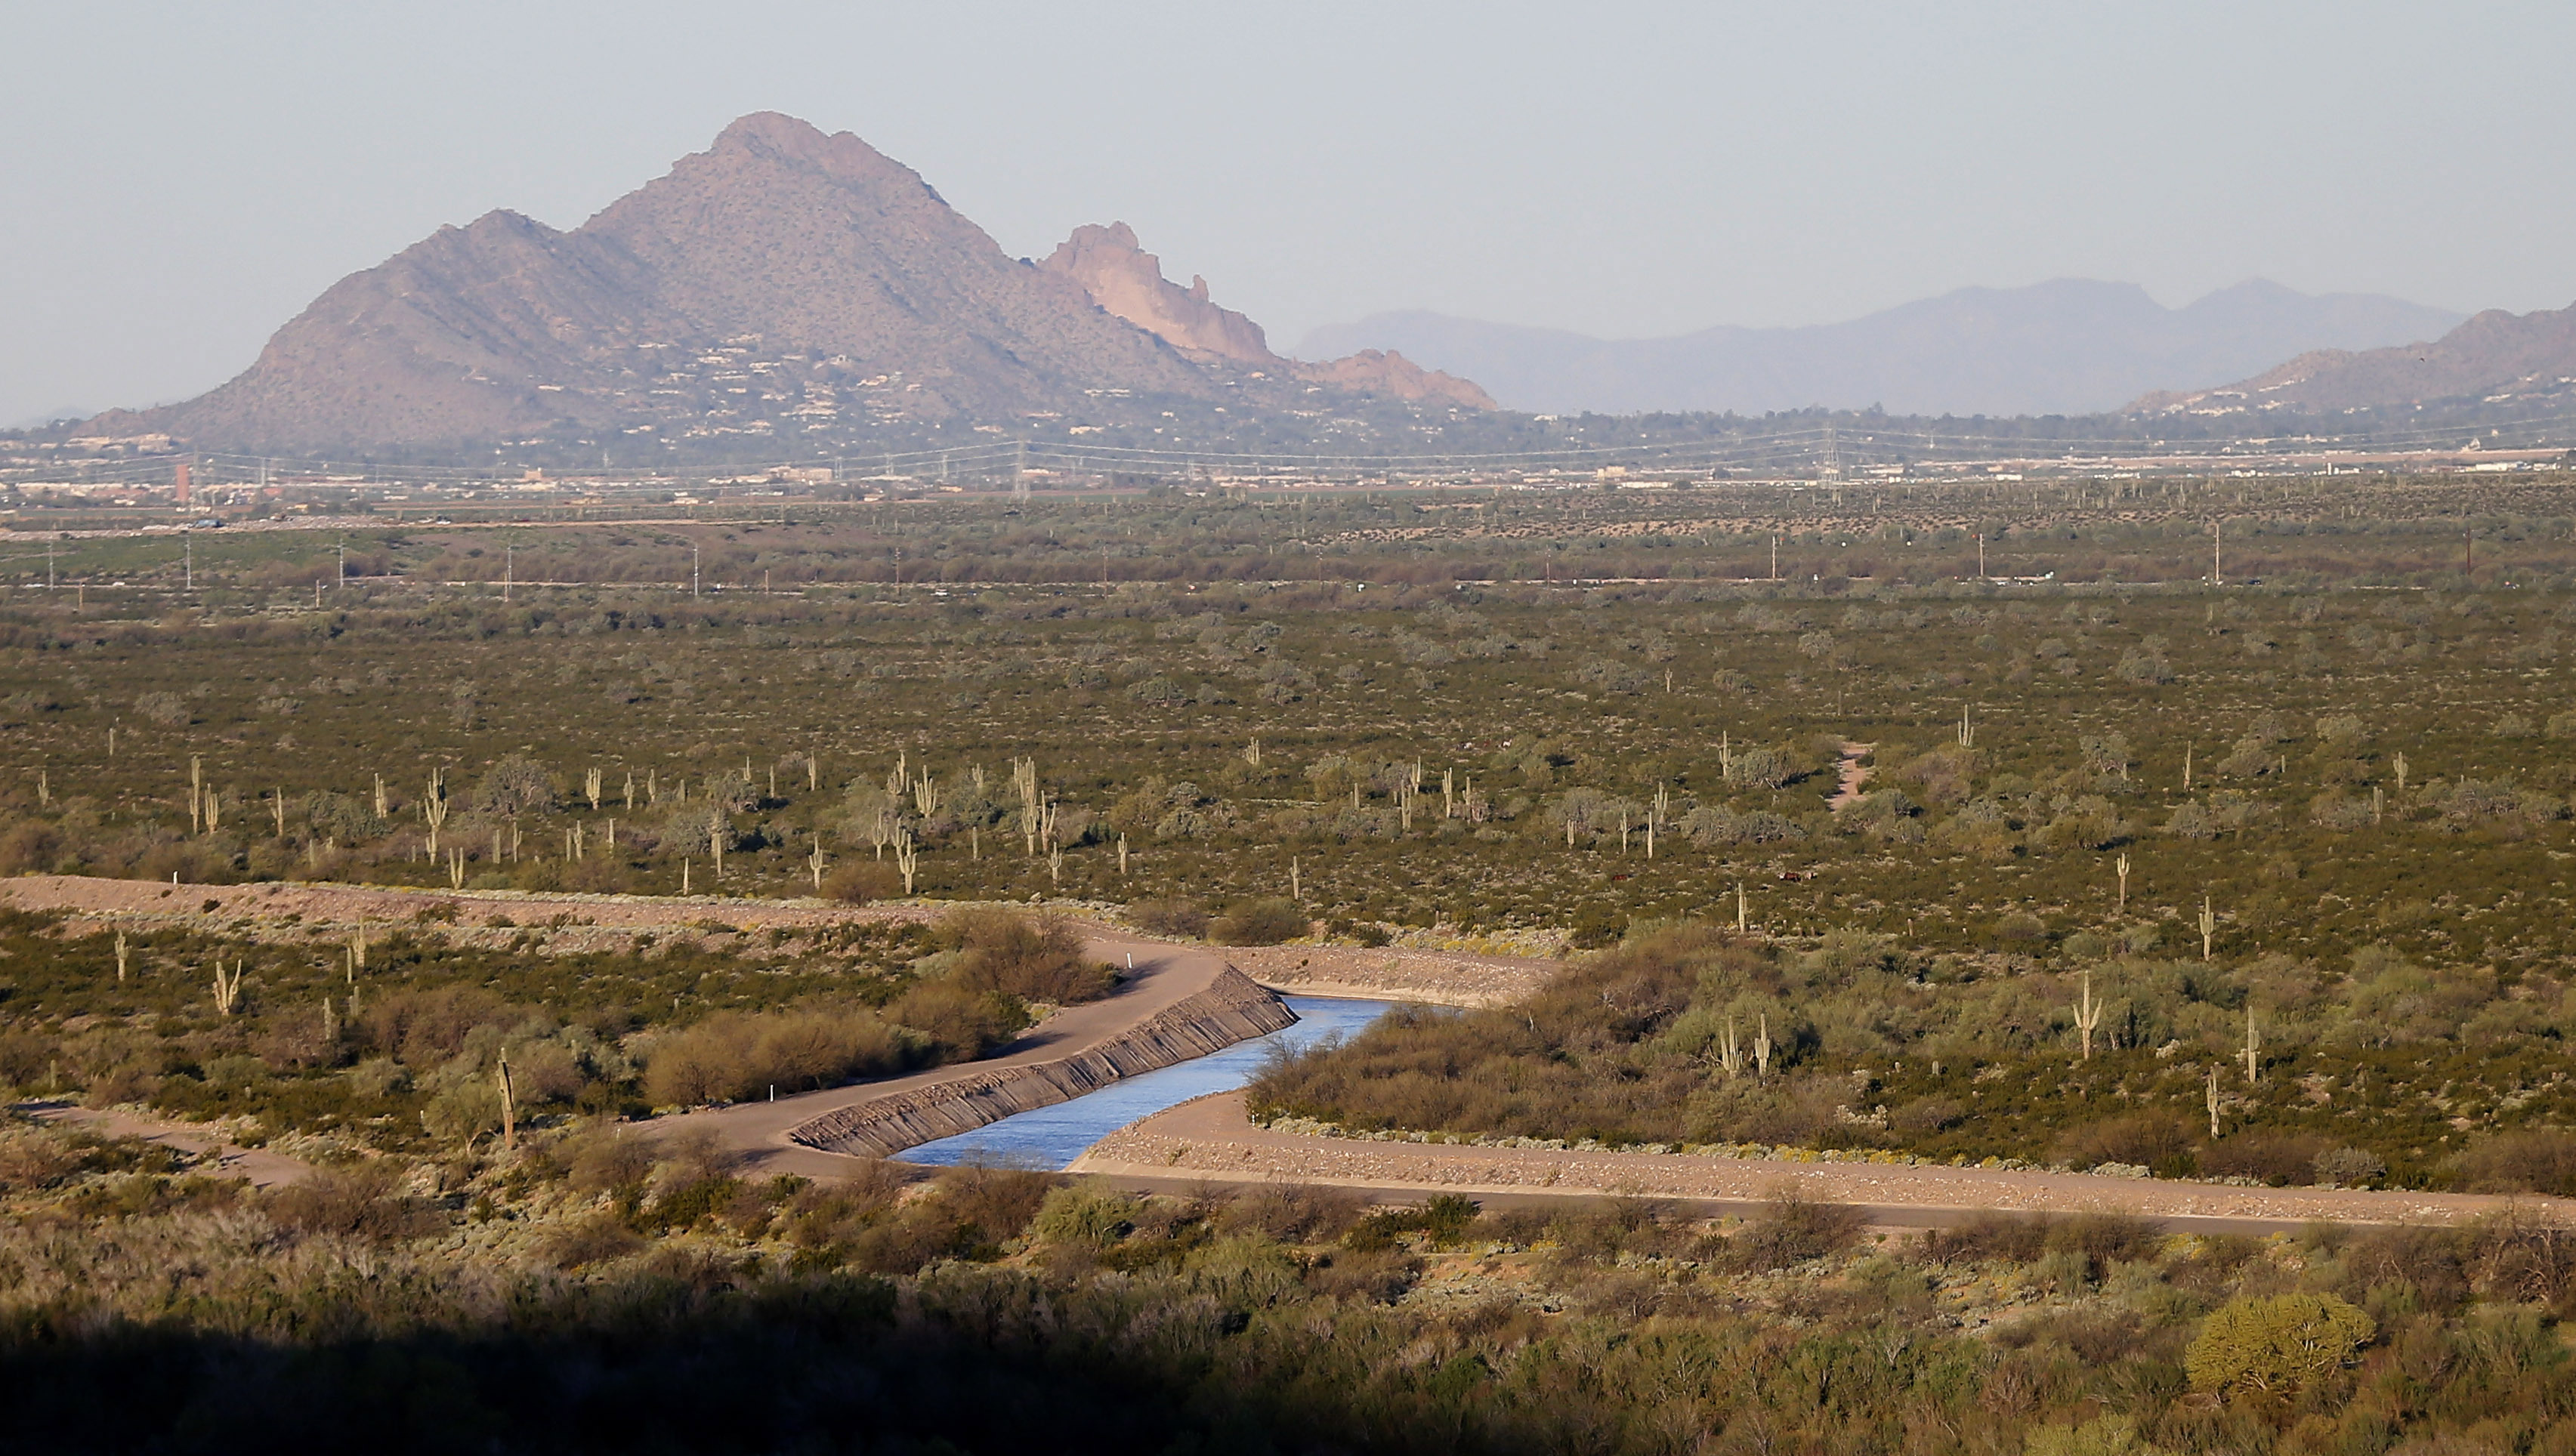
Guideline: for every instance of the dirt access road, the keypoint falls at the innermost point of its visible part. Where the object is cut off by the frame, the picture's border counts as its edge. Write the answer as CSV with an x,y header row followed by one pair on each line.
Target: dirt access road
x,y
1212,1141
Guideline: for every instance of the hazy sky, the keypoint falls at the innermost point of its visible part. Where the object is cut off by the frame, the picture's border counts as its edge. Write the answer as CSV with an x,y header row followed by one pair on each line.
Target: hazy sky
x,y
177,180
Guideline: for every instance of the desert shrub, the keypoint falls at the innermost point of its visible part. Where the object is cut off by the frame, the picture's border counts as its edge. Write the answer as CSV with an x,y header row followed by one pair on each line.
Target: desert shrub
x,y
515,785
2015,1237
990,1204
359,1202
33,1158
729,1057
29,848
420,1028
1083,1216
609,1160
592,1240
1031,957
2531,1160
2349,1167
1370,1276
2100,1240
1444,1220
167,709
2277,1158
2276,1344
2155,1141
1179,919
2105,1435
2424,1261
1292,1211
464,1110
958,1024
1791,1228
1928,1114
861,882
1259,922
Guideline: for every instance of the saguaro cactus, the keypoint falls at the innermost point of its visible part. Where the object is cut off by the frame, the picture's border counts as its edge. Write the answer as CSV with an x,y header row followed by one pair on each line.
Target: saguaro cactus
x,y
433,807
2253,1052
2088,1015
591,781
509,1106
2122,866
907,858
120,957
2208,927
228,989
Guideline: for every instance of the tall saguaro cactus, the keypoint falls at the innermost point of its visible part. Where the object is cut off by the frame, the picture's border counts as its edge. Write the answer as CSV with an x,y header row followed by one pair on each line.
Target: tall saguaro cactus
x,y
2088,1015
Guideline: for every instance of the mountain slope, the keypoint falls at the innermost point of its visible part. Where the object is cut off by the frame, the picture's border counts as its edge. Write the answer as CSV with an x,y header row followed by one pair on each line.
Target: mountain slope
x,y
829,279
2063,347
2494,354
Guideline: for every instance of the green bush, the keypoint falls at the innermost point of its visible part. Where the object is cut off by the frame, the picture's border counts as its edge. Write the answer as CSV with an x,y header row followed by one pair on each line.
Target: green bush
x,y
1259,922
2275,1344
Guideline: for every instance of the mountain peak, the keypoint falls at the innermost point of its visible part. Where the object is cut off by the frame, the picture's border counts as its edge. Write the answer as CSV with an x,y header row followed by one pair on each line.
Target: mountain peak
x,y
785,288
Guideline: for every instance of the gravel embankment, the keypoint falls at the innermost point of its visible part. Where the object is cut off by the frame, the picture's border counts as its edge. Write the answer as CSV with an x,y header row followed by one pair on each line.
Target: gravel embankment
x,y
1213,1139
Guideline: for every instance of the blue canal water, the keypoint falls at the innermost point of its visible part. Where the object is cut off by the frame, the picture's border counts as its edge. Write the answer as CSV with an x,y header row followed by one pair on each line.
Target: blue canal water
x,y
1050,1137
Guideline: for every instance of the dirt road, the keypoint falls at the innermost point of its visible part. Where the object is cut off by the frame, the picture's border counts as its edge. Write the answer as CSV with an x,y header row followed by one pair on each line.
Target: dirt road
x,y
1211,1140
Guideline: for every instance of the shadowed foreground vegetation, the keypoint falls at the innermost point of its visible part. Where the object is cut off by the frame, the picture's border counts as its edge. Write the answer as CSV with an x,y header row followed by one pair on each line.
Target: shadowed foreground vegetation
x,y
593,1292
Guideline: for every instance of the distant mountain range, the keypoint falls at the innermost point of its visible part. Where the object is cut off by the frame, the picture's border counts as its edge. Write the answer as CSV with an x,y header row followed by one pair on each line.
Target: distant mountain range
x,y
783,284
2071,346
788,292
2495,358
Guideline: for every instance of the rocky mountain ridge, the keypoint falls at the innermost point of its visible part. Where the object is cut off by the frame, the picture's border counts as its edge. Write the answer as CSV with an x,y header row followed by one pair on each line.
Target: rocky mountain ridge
x,y
2070,346
2495,358
783,285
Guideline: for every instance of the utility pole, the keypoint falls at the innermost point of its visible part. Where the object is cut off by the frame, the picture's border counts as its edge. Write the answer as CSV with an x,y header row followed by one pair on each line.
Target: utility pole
x,y
188,558
509,569
343,578
693,568
2215,579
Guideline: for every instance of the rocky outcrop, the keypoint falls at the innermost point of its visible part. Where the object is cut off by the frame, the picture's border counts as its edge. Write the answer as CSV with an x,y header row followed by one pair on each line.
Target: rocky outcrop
x,y
1127,281
1233,1008
1381,371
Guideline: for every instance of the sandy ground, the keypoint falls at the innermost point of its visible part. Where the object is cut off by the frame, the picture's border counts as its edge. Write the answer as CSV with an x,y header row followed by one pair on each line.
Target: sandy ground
x,y
263,1168
1853,774
1212,1140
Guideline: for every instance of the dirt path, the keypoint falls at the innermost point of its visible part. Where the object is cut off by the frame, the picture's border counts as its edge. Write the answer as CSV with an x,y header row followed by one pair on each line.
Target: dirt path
x,y
1212,1140
296,911
263,1168
1853,773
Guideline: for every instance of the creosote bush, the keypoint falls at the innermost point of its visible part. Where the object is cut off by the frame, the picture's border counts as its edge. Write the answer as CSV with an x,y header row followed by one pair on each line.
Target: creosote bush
x,y
1259,922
